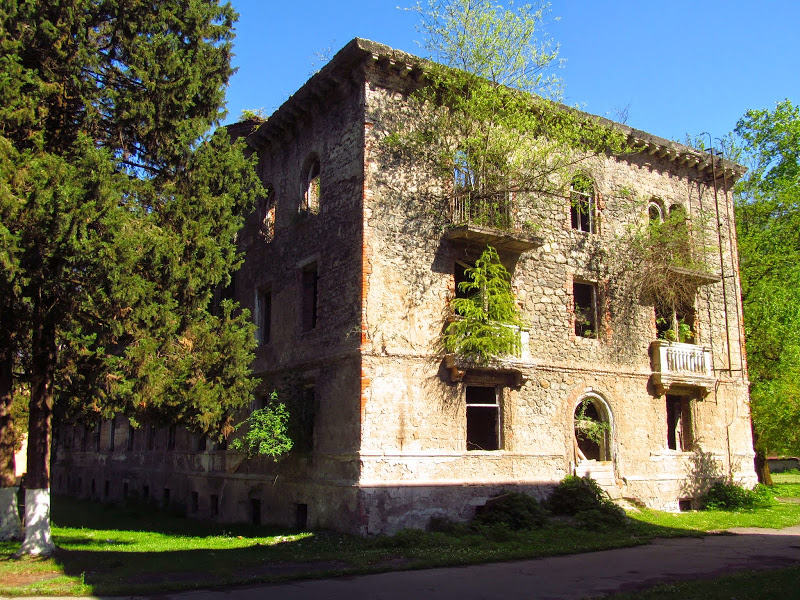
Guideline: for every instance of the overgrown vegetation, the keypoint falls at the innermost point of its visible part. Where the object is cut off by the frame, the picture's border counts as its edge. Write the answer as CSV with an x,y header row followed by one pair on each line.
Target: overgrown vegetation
x,y
110,550
266,433
731,496
487,320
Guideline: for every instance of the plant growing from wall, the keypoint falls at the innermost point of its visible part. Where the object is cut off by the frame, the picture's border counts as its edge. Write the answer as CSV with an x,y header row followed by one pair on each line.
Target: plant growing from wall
x,y
487,320
266,431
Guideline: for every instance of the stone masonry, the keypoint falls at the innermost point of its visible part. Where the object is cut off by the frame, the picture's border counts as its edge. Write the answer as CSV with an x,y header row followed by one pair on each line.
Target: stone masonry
x,y
350,266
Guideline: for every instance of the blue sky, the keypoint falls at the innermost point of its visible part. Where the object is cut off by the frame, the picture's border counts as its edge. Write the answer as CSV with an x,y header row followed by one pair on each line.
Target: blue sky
x,y
678,67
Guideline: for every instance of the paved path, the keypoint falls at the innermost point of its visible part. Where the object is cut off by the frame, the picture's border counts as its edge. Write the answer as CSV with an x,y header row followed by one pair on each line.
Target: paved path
x,y
565,577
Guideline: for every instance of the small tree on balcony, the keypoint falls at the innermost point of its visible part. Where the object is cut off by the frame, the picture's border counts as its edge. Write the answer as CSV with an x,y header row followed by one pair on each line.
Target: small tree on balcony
x,y
487,319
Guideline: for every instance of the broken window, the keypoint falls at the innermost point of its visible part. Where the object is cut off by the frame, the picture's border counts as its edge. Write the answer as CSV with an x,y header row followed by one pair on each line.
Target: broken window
x,y
582,204
675,324
585,307
483,418
263,316
311,190
309,284
679,423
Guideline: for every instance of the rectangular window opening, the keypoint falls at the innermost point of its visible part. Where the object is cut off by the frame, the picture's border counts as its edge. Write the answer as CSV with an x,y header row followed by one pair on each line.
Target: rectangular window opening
x,y
264,316
301,516
214,506
255,511
171,434
310,282
460,276
582,209
585,299
679,423
131,437
195,502
112,435
483,418
304,441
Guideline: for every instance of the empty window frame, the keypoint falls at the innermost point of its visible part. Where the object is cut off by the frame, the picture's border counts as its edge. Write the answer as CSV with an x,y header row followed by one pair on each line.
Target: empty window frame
x,y
131,438
582,204
171,434
267,215
460,276
309,284
676,324
112,435
483,418
311,188
305,418
263,316
585,306
679,423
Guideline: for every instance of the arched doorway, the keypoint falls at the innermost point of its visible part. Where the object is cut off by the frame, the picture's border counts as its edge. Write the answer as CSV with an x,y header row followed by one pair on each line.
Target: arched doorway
x,y
592,426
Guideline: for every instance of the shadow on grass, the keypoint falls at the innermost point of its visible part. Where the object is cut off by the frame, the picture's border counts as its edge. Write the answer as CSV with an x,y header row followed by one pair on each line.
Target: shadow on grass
x,y
136,550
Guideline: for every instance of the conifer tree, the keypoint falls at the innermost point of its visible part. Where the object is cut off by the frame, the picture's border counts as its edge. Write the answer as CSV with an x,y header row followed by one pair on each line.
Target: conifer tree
x,y
118,216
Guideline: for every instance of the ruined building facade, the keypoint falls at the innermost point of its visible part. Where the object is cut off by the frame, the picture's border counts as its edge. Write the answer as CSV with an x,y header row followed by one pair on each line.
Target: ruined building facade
x,y
350,267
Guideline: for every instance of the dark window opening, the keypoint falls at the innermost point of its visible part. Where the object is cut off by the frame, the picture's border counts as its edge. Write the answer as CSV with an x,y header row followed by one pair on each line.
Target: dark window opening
x,y
460,276
112,435
214,505
582,205
151,437
654,213
195,502
264,316
125,490
255,511
94,488
679,423
483,418
585,298
310,280
171,434
106,489
301,516
306,414
268,215
685,504
165,497
131,437
145,491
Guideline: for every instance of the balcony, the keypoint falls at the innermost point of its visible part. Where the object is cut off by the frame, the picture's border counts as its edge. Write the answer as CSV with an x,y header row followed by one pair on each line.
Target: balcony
x,y
508,367
677,365
488,220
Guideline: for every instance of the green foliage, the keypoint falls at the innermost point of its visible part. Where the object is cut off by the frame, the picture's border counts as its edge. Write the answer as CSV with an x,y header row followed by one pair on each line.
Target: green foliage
x,y
730,496
266,431
516,511
575,494
768,230
118,212
588,428
487,320
478,115
667,331
606,516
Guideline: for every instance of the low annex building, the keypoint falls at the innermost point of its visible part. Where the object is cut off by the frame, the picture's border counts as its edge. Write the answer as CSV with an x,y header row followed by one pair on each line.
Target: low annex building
x,y
350,268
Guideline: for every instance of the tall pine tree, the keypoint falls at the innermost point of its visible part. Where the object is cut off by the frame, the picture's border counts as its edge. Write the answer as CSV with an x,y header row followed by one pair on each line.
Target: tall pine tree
x,y
118,219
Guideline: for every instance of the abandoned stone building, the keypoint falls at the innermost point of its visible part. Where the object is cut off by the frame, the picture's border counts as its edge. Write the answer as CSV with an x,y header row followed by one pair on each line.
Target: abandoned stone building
x,y
349,272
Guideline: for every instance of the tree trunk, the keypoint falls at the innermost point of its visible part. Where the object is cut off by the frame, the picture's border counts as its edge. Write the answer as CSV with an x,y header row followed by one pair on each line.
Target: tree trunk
x,y
760,461
37,478
10,526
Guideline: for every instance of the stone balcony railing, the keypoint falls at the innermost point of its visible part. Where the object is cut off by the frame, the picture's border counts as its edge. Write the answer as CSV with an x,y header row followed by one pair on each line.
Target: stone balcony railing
x,y
677,365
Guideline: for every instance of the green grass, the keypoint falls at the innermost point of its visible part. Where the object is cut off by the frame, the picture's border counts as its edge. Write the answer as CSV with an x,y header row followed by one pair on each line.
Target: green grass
x,y
105,550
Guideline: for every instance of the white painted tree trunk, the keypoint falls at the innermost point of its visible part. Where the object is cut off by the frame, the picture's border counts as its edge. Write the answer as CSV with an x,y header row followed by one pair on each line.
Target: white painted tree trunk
x,y
37,524
10,525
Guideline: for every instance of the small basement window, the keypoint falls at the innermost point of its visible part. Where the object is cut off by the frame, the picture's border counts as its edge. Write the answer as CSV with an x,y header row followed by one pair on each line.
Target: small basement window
x,y
679,423
483,418
585,306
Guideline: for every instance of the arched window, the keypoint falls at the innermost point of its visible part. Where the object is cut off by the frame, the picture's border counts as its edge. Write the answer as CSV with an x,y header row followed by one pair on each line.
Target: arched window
x,y
655,213
593,427
582,204
311,188
266,214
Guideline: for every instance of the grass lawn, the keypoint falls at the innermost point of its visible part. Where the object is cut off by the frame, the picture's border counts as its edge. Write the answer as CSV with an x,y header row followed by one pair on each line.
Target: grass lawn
x,y
106,550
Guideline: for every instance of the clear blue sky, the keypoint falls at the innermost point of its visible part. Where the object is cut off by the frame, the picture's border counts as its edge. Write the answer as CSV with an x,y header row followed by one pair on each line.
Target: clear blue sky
x,y
679,67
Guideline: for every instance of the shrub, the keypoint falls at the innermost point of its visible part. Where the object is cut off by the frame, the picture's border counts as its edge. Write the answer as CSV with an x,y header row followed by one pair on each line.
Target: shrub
x,y
514,510
607,516
730,496
576,494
